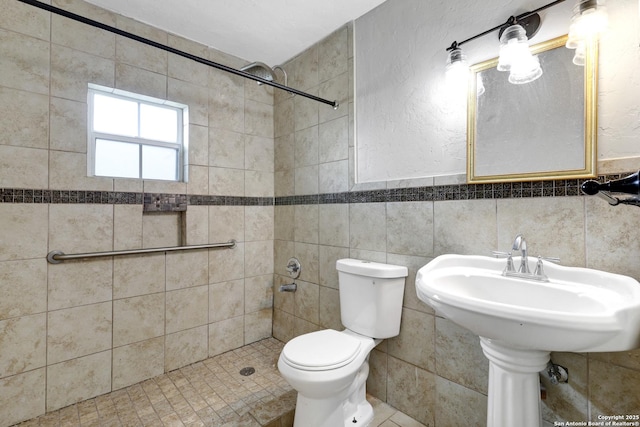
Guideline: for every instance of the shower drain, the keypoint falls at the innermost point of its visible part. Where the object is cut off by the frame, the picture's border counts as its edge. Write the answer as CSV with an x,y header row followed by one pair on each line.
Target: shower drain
x,y
247,371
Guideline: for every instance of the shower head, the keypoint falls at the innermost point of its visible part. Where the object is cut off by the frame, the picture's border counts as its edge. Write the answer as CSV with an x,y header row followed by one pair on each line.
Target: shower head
x,y
262,70
259,69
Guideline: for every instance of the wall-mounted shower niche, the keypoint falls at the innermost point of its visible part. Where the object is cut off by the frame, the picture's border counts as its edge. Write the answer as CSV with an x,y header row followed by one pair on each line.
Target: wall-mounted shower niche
x,y
158,203
164,219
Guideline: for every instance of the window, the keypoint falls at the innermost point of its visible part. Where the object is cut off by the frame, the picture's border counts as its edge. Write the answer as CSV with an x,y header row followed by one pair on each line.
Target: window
x,y
136,136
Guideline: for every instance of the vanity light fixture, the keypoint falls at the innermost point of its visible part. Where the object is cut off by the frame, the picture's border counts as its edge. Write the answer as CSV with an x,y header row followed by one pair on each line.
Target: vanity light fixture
x,y
457,70
514,51
589,17
589,20
516,57
457,66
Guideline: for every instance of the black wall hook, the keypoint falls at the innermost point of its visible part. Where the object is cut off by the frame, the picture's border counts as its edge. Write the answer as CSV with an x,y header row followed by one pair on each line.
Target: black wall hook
x,y
627,185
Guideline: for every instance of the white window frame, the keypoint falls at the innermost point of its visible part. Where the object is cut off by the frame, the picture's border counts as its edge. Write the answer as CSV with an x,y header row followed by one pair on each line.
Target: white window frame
x,y
182,131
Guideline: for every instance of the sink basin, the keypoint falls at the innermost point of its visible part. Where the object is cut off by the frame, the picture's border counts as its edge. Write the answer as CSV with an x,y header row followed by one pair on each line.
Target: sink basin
x,y
520,321
578,310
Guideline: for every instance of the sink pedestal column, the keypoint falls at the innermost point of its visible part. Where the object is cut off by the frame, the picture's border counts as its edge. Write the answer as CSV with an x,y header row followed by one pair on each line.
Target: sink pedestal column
x,y
514,385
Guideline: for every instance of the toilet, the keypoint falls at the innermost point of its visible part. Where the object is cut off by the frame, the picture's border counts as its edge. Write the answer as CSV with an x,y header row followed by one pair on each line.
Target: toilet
x,y
329,368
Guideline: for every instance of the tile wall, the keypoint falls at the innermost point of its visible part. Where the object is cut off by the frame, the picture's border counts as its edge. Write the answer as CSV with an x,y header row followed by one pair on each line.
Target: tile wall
x,y
73,331
76,330
434,370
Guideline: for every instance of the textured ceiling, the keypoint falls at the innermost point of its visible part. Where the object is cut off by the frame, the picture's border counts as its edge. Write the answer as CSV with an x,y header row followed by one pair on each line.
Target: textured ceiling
x,y
270,31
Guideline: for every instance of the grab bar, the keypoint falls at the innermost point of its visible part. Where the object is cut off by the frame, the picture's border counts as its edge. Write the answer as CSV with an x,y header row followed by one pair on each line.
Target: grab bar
x,y
56,257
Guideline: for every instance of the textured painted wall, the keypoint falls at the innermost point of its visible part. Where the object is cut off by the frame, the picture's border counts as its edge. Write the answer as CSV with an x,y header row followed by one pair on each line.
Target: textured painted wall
x,y
409,124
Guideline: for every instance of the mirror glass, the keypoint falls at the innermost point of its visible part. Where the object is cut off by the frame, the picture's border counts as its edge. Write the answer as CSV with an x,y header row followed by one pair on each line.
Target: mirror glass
x,y
545,129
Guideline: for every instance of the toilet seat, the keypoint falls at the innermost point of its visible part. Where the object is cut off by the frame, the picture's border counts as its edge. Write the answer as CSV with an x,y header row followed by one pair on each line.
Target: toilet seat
x,y
321,351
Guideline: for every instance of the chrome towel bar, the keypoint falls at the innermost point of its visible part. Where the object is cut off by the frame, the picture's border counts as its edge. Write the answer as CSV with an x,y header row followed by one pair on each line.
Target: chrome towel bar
x,y
56,257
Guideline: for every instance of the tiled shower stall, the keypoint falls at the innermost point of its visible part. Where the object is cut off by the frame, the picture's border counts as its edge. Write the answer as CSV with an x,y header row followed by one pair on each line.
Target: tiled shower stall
x,y
80,329
275,173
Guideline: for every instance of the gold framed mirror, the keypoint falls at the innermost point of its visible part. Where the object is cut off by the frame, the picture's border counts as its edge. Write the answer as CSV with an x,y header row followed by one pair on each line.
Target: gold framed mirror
x,y
542,130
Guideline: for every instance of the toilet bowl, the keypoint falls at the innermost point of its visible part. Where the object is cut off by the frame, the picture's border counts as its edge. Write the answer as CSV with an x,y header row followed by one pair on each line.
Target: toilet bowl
x,y
329,368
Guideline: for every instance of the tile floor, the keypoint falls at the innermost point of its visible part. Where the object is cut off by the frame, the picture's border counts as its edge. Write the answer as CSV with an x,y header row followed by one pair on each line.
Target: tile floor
x,y
211,393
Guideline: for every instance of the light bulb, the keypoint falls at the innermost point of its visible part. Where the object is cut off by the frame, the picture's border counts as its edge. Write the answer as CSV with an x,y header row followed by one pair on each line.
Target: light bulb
x,y
516,57
512,41
589,20
457,69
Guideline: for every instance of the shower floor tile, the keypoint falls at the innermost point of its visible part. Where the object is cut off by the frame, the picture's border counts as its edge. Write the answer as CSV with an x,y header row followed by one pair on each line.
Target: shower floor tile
x,y
210,393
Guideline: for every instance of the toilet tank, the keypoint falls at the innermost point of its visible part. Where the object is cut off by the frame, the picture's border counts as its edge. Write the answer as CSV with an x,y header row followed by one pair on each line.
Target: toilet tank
x,y
371,297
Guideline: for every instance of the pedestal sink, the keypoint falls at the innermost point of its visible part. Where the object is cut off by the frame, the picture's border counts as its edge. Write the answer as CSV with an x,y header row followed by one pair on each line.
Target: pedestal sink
x,y
520,321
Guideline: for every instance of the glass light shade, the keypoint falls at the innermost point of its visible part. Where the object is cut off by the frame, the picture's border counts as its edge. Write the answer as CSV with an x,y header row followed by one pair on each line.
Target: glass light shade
x,y
580,57
525,71
589,20
457,69
513,43
516,57
573,38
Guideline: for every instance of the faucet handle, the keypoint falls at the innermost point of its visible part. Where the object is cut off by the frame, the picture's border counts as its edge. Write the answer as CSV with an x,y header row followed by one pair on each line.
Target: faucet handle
x,y
509,268
539,266
293,268
499,254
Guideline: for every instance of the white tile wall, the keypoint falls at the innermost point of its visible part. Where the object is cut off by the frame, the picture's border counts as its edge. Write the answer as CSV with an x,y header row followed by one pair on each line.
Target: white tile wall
x,y
82,328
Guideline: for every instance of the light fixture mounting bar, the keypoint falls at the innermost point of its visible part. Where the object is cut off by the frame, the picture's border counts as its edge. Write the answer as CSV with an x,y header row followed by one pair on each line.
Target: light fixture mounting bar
x,y
527,14
512,20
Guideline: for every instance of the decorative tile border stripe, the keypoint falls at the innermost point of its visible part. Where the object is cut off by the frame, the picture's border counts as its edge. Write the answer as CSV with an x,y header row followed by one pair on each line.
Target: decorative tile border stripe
x,y
507,190
230,201
555,188
12,195
17,195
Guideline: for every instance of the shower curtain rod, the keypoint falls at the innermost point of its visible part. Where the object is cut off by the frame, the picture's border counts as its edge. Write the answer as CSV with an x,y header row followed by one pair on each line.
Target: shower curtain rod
x,y
169,49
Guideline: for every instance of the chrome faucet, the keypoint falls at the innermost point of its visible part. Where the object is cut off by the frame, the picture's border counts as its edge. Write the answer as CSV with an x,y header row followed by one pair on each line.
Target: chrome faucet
x,y
291,287
519,244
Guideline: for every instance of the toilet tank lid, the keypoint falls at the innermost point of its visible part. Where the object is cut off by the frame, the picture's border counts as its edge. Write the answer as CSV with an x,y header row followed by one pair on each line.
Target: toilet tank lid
x,y
370,268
